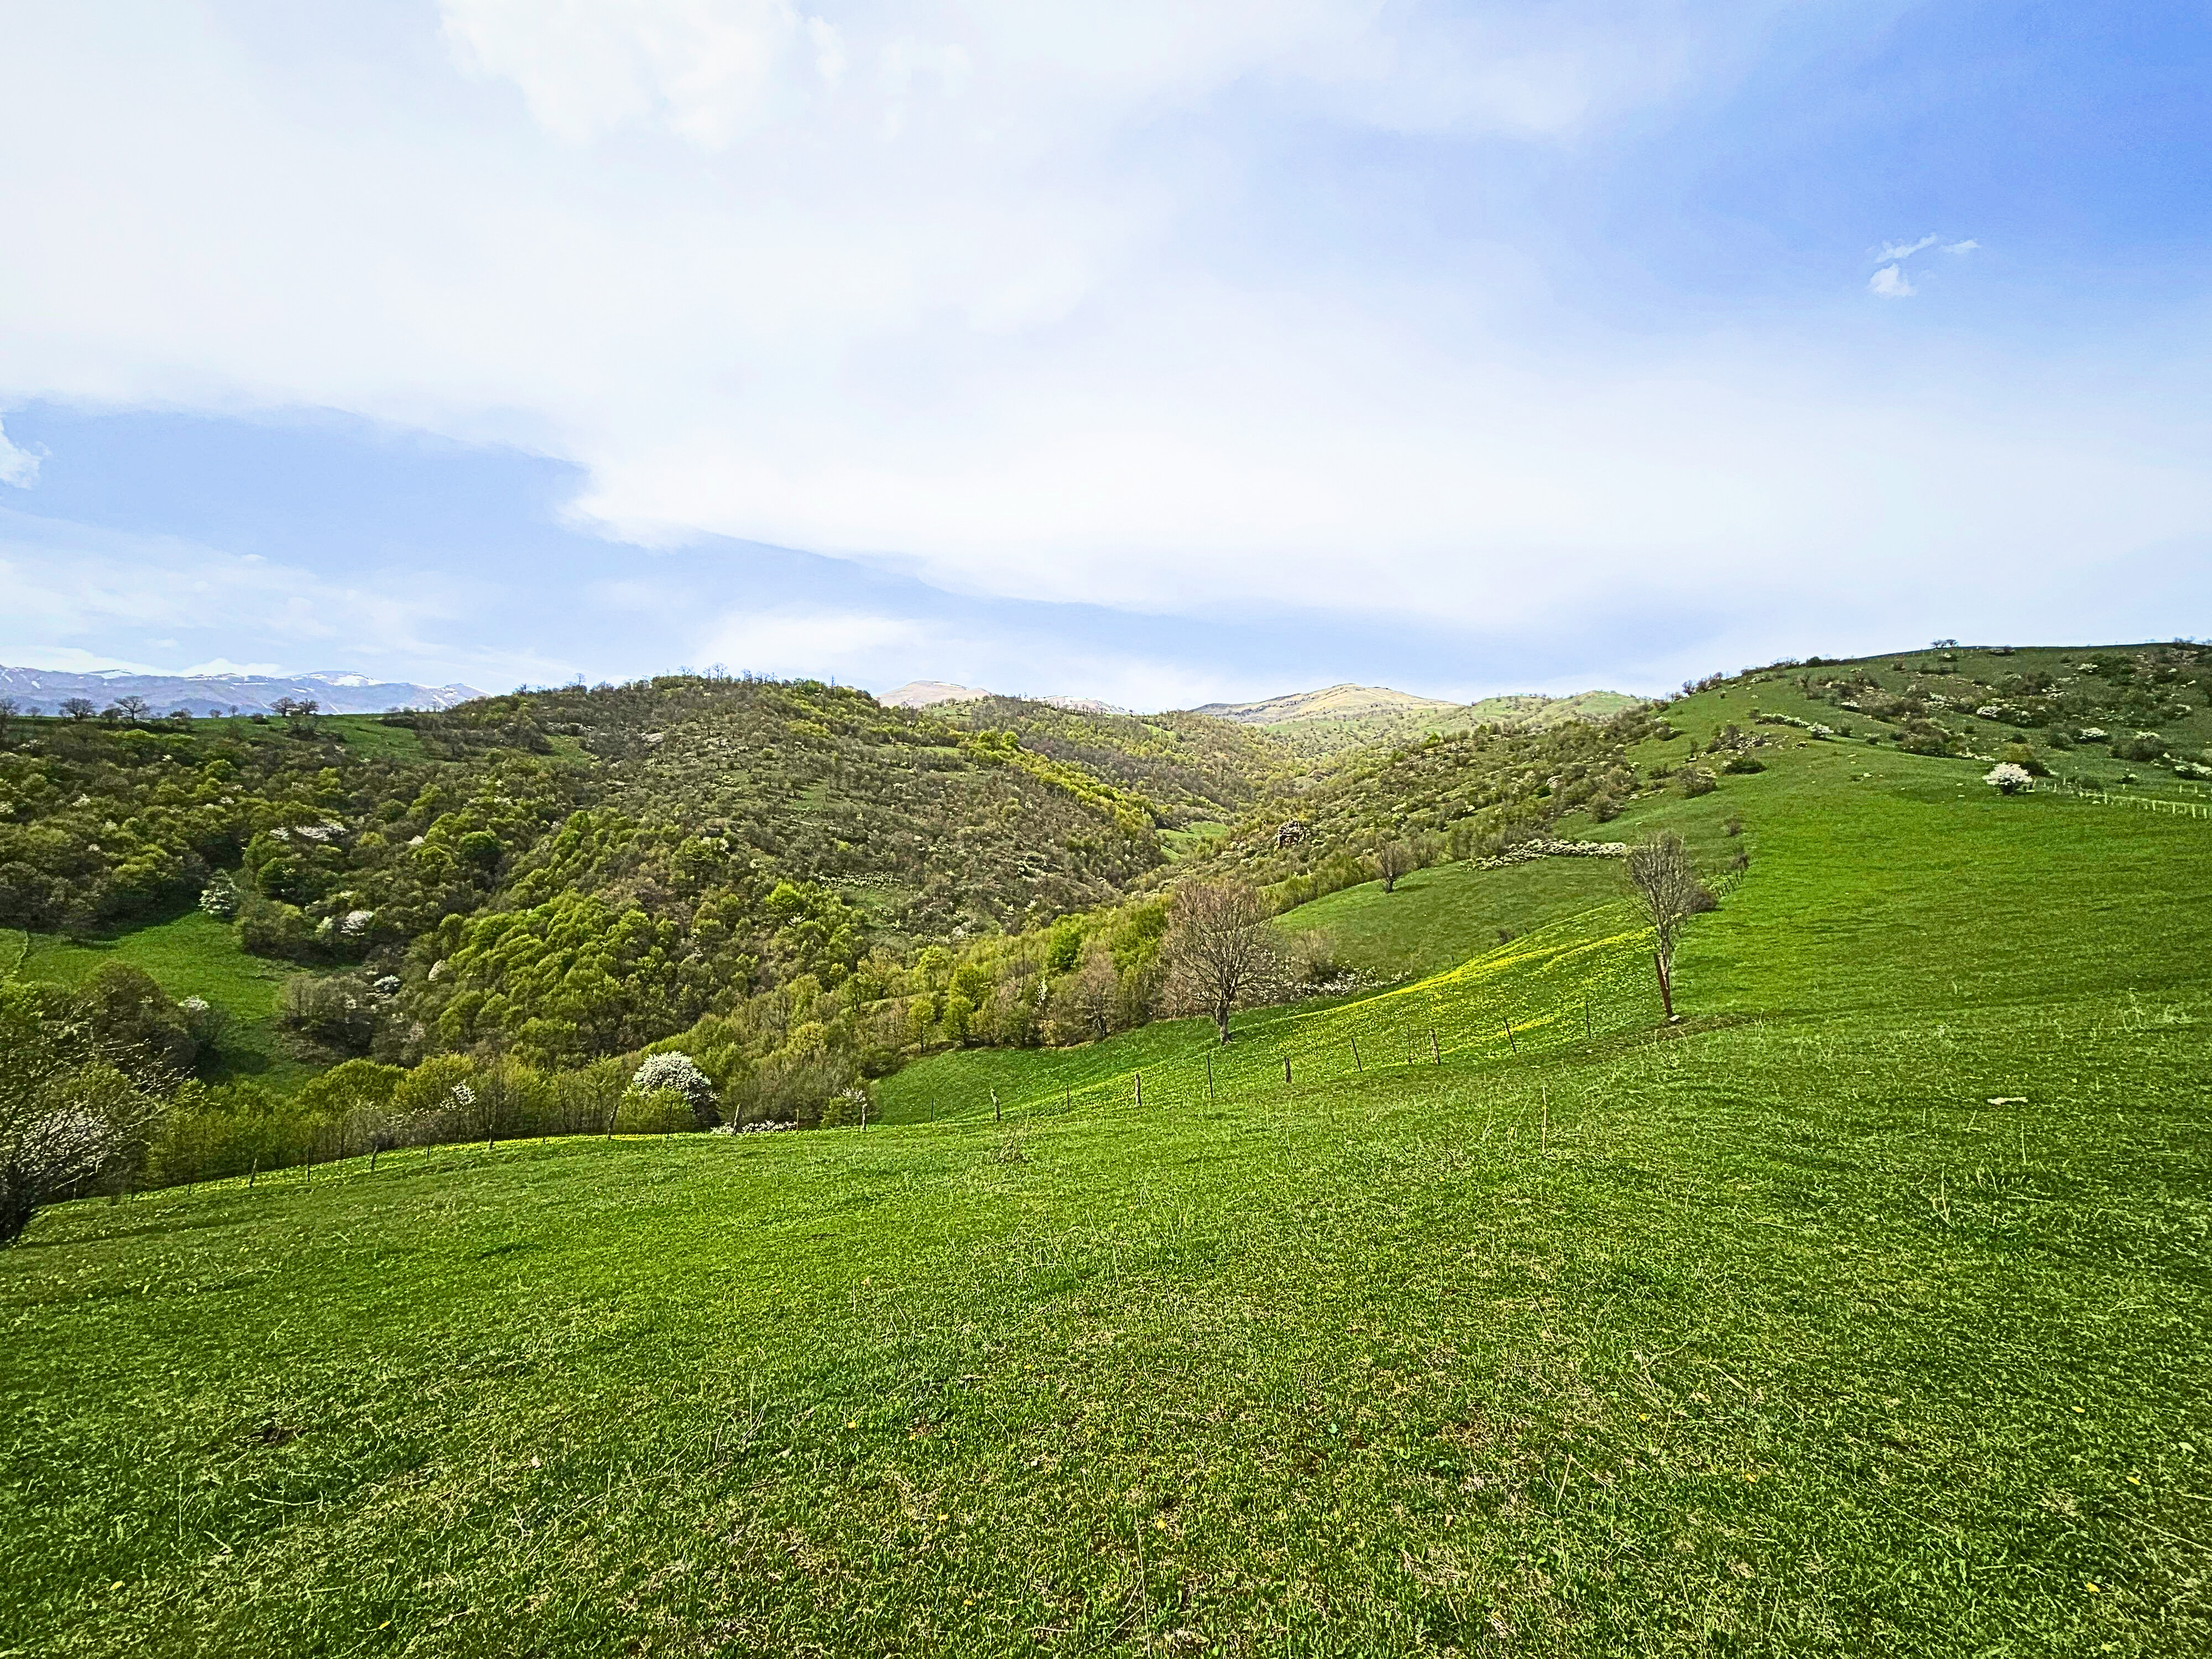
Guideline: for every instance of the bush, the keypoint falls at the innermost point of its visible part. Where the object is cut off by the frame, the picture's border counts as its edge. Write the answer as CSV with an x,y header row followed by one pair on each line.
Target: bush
x,y
339,1011
657,1112
1696,780
130,1018
219,898
1744,763
2006,779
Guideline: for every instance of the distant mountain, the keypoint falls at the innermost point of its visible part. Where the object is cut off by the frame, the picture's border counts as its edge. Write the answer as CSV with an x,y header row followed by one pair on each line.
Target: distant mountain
x,y
1335,703
924,694
1319,724
43,690
920,694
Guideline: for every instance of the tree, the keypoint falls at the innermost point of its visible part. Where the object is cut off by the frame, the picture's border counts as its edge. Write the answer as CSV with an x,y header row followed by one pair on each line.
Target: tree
x,y
1664,879
679,1073
132,707
2007,778
1395,859
9,709
79,709
67,1117
1222,950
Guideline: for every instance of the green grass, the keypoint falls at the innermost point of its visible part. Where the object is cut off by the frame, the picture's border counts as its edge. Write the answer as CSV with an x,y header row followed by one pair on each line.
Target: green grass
x,y
1441,916
189,955
1191,837
1866,1312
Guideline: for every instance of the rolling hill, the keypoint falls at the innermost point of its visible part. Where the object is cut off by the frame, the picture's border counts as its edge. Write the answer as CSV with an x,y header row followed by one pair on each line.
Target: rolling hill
x,y
1862,1311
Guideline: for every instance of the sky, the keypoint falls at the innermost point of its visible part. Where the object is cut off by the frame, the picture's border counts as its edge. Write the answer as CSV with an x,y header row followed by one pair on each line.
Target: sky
x,y
1163,351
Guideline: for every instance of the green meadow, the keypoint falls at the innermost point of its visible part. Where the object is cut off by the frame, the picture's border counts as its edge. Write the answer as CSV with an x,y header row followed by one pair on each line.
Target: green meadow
x,y
188,955
1864,1311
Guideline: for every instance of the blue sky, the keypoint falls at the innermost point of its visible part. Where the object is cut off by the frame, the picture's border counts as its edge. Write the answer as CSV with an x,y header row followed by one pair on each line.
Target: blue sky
x,y
1159,352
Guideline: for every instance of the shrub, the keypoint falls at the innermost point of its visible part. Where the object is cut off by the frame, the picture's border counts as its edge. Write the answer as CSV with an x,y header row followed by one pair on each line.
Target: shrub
x,y
1744,763
219,898
657,1112
1696,780
2006,779
339,1011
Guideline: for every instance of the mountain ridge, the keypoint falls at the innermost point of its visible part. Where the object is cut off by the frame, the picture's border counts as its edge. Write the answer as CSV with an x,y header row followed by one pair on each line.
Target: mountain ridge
x,y
337,691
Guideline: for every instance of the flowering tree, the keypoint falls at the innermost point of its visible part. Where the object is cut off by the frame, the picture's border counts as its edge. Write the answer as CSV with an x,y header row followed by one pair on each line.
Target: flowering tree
x,y
2007,778
67,1116
680,1074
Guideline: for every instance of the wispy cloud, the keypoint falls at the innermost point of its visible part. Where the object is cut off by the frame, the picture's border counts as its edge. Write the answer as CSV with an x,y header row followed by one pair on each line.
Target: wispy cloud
x,y
1892,284
1966,246
19,467
1893,250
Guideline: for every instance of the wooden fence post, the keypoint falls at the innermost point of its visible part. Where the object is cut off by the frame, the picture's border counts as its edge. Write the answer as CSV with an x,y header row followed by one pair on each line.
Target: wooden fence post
x,y
1510,1037
1356,1065
1286,1068
1436,1054
1209,1077
1140,1088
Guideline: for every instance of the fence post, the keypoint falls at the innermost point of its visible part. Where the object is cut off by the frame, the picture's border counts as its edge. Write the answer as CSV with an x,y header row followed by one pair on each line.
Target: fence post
x,y
997,1117
1356,1065
1286,1068
1436,1055
1510,1037
1140,1088
251,1173
1209,1077
1588,1035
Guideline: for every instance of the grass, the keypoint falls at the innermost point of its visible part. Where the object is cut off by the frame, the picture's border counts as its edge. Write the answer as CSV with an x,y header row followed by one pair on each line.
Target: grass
x,y
1442,915
1866,1312
188,955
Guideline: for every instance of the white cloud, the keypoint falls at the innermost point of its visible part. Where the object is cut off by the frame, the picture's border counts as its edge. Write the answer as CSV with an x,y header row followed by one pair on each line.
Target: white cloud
x,y
18,467
1895,250
1966,246
223,667
999,289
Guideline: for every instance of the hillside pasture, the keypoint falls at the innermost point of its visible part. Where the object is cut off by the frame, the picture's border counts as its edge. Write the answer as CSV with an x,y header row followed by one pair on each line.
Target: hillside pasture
x,y
188,955
1865,1311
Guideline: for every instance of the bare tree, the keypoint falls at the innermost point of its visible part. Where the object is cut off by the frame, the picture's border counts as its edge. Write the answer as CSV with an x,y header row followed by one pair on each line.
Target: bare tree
x,y
9,709
1665,880
132,707
1093,990
1222,950
78,708
1394,858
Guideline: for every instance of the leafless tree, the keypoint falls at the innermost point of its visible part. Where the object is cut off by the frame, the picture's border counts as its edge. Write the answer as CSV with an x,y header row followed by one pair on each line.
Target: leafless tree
x,y
1668,887
1093,989
78,708
1222,950
1394,858
132,707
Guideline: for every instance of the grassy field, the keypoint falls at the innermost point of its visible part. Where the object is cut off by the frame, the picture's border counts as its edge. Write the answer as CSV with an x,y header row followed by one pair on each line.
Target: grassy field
x,y
1866,1312
190,955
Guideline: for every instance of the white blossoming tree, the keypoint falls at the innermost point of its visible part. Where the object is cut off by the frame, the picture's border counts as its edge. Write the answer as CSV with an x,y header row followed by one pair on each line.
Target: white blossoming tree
x,y
680,1074
2007,778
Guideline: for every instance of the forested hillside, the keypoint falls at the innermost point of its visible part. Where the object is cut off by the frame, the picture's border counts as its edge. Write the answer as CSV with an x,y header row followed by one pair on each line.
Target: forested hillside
x,y
510,903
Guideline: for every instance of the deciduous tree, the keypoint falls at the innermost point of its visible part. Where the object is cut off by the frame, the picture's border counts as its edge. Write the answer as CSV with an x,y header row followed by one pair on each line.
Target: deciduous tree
x,y
1668,889
1223,949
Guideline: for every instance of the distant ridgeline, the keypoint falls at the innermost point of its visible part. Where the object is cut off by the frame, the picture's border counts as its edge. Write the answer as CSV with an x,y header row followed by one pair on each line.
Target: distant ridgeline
x,y
44,691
